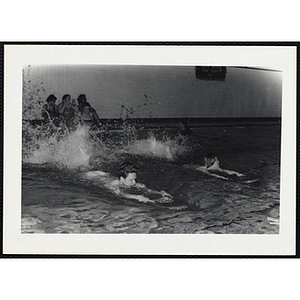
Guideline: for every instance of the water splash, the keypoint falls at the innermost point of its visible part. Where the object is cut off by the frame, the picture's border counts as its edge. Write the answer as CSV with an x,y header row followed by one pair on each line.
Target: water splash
x,y
33,95
71,150
167,148
83,148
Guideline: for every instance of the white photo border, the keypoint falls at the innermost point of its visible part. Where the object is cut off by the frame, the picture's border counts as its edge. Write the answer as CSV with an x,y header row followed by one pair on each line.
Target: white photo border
x,y
263,56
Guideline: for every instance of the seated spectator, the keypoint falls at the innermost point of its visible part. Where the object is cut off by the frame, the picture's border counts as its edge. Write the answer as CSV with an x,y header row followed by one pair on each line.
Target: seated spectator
x,y
50,111
88,113
81,103
89,116
66,111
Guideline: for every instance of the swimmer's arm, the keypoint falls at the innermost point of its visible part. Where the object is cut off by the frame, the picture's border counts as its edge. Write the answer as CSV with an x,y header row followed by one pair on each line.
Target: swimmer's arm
x,y
233,173
139,198
210,172
202,168
142,186
115,189
162,192
229,172
218,176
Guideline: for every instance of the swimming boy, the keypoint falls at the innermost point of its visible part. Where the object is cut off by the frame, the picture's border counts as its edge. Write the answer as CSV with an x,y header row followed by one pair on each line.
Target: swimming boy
x,y
211,166
126,179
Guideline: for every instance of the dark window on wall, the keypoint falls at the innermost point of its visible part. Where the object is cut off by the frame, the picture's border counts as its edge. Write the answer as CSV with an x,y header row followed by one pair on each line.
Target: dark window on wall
x,y
211,73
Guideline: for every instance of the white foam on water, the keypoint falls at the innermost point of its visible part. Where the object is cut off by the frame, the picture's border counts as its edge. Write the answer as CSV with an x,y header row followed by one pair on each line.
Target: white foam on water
x,y
79,148
72,151
167,148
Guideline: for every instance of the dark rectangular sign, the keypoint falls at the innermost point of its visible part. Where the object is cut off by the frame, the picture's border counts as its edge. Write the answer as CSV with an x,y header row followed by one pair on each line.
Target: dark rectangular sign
x,y
211,73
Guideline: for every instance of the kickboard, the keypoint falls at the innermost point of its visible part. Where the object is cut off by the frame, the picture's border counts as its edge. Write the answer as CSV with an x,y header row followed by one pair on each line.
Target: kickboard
x,y
225,176
247,179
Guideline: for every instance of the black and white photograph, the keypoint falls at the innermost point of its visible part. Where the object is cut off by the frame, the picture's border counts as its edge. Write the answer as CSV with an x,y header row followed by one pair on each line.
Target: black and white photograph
x,y
150,150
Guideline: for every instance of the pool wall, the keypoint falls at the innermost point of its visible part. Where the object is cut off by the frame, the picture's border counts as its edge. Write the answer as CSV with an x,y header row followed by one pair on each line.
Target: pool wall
x,y
145,92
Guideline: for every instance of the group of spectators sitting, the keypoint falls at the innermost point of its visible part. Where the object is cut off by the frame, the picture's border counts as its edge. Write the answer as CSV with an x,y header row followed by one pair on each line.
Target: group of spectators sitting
x,y
70,113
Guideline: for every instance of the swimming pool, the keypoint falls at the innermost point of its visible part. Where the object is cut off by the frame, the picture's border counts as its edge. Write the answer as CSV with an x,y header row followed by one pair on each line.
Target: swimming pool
x,y
56,199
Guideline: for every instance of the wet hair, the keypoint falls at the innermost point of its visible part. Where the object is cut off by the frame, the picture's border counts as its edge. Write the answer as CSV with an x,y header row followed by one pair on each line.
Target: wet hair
x,y
51,98
127,168
209,159
66,96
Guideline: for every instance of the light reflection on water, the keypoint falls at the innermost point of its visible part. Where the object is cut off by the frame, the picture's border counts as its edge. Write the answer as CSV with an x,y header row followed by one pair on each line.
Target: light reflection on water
x,y
215,206
55,208
56,200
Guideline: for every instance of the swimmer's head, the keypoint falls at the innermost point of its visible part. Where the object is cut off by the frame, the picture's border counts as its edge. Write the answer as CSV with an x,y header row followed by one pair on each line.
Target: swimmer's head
x,y
128,174
210,159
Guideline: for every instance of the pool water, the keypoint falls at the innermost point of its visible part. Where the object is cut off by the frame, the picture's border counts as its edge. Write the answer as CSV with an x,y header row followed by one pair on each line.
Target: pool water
x,y
57,199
